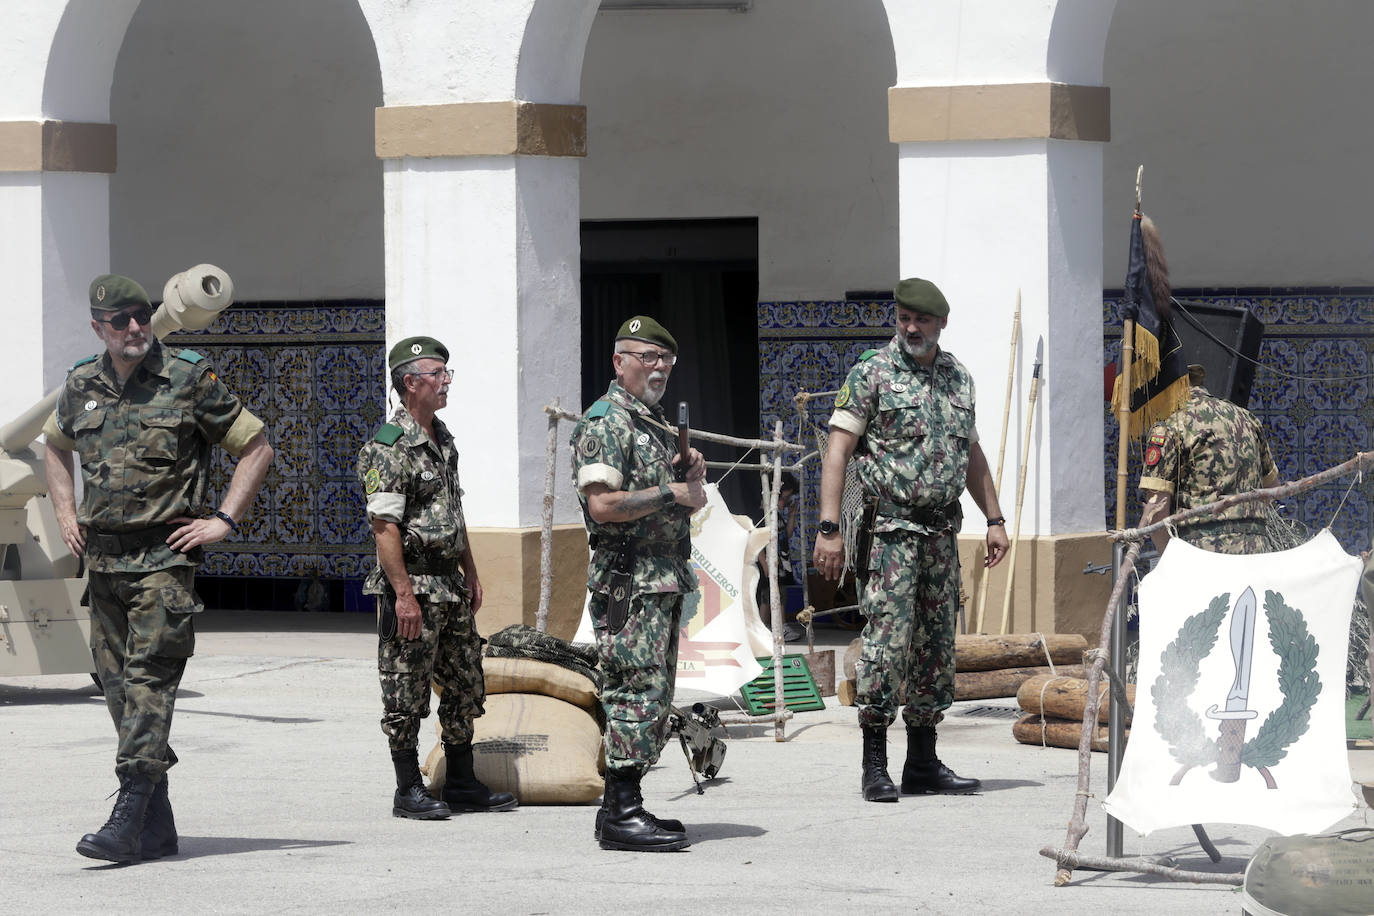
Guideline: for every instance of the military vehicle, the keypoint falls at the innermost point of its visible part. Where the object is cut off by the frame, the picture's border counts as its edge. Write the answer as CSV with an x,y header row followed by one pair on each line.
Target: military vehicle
x,y
44,628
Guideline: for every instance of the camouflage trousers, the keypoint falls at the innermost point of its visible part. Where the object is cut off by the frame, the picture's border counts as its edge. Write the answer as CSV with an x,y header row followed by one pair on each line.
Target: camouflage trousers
x,y
911,600
1232,536
448,655
640,666
142,632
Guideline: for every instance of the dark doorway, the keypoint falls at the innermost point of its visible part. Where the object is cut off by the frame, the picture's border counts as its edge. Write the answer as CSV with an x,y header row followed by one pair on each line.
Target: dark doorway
x,y
700,279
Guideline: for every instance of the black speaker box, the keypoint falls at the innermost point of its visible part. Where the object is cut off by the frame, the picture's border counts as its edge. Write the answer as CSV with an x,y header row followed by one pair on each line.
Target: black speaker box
x,y
1225,340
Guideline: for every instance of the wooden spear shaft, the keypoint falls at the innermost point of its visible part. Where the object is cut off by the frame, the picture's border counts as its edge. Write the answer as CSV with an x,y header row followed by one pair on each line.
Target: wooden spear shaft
x,y
1020,497
980,552
541,616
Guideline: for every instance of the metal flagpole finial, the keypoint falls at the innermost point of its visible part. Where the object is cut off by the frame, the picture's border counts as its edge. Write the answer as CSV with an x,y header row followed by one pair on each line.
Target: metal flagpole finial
x,y
1139,174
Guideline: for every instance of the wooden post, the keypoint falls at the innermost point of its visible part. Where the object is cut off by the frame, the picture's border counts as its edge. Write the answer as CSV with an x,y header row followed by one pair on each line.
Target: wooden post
x,y
775,615
541,617
982,586
1021,490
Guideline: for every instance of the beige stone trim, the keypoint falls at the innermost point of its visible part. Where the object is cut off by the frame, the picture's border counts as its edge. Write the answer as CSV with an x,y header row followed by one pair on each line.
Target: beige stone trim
x,y
512,128
1050,592
56,146
508,567
1055,111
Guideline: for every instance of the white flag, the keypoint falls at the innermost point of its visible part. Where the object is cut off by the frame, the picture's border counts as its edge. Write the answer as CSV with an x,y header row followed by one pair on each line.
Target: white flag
x,y
1240,701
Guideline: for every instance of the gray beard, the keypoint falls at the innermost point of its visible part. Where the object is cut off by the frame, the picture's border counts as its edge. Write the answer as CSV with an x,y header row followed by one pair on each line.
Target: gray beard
x,y
914,351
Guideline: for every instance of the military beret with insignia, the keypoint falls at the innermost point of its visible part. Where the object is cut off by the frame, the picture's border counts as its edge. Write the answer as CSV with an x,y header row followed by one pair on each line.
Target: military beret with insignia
x,y
922,296
111,292
642,327
413,348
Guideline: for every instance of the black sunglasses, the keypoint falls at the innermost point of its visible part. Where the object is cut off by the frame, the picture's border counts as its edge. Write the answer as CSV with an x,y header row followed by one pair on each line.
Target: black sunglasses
x,y
121,321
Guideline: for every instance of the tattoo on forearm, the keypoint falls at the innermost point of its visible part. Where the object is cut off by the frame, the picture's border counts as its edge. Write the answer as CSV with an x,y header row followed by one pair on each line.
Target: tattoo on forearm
x,y
632,505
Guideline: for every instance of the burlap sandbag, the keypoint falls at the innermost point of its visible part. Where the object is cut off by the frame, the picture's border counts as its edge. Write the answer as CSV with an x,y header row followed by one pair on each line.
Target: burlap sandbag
x,y
526,675
545,751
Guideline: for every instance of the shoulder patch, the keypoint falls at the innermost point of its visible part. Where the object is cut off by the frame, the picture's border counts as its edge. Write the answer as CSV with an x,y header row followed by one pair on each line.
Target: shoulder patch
x,y
81,362
1157,437
868,354
1152,456
599,409
191,356
388,434
842,399
372,481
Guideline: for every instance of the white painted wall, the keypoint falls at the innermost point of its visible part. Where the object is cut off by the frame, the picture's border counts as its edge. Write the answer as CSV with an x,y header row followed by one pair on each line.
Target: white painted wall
x,y
1251,119
246,140
778,113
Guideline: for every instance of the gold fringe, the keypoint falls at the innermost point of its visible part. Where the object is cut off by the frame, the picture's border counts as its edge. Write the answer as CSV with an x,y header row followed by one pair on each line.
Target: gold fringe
x,y
1156,409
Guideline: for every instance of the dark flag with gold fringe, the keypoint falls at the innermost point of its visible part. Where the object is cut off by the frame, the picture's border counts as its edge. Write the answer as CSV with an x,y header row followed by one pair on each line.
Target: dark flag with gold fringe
x,y
1159,372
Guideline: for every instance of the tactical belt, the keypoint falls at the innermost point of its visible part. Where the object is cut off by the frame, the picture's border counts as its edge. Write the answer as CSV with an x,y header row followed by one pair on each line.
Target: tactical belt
x,y
111,543
933,517
433,566
680,549
1225,526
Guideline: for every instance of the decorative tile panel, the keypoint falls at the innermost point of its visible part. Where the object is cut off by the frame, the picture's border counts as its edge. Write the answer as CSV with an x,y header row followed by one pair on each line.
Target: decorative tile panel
x,y
316,375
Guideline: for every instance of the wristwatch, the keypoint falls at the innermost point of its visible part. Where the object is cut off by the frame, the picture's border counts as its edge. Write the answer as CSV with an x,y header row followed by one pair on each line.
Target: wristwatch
x,y
828,527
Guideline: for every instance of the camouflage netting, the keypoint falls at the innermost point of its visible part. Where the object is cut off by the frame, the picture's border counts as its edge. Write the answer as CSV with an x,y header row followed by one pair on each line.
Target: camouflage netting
x,y
520,641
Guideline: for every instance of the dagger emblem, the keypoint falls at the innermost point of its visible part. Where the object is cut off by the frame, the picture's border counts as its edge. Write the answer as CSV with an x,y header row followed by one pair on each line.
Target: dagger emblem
x,y
1231,734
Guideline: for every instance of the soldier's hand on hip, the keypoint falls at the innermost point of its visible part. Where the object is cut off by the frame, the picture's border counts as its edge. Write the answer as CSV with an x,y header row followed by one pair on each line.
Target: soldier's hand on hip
x,y
196,531
828,556
408,619
74,536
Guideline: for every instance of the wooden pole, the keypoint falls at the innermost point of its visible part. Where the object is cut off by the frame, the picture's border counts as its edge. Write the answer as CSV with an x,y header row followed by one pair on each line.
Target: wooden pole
x,y
541,617
1021,490
770,493
982,587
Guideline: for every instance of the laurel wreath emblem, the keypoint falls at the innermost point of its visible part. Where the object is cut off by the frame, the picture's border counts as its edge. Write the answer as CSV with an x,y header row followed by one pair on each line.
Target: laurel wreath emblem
x,y
1180,667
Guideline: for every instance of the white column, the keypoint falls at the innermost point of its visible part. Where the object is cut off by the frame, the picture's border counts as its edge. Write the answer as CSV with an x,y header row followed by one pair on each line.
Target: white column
x,y
483,253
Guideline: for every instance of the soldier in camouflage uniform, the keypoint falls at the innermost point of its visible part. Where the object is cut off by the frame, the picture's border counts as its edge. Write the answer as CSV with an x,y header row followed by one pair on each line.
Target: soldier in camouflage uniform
x,y
637,515
911,407
1205,450
426,586
144,420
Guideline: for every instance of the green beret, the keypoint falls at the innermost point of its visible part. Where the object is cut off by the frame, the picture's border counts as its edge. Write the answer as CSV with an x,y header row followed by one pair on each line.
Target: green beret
x,y
111,292
413,348
642,327
922,296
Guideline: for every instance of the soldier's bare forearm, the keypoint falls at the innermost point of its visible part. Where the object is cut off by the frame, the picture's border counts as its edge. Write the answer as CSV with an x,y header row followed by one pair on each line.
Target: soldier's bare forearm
x,y
629,505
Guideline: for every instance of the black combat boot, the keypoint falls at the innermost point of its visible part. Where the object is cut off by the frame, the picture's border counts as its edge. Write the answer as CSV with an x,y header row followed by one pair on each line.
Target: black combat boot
x,y
667,823
120,840
626,825
412,799
159,828
923,773
877,785
463,791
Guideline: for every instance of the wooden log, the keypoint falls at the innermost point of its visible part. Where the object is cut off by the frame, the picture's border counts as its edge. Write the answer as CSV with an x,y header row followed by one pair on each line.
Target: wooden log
x,y
822,667
851,657
845,692
1057,732
1065,697
984,653
1003,682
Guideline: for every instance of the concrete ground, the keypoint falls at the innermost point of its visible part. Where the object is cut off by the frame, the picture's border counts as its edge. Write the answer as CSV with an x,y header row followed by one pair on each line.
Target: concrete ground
x,y
283,801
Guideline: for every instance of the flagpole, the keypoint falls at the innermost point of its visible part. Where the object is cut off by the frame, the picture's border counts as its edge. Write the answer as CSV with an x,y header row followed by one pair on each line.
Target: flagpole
x,y
1001,454
1116,728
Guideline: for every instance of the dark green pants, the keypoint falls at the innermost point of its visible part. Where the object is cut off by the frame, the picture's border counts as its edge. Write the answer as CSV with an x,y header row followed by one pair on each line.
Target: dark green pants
x,y
640,667
448,654
142,632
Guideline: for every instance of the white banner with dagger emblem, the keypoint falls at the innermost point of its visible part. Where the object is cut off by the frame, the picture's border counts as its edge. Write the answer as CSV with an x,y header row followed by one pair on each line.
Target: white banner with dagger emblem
x,y
1240,698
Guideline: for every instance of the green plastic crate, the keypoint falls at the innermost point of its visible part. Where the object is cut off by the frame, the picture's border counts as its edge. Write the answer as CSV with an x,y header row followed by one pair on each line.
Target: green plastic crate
x,y
799,690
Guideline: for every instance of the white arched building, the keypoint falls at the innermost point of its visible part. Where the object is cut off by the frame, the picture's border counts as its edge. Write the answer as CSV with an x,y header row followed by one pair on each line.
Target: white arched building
x,y
367,171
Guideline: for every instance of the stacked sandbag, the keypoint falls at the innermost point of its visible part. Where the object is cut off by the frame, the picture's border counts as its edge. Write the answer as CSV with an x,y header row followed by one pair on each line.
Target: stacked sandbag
x,y
986,667
1055,706
540,737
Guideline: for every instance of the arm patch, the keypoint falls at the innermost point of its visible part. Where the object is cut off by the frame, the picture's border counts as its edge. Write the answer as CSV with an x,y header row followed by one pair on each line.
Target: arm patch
x,y
388,434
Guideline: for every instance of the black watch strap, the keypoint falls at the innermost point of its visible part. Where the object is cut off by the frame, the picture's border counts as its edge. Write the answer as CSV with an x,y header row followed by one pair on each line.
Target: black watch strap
x,y
827,526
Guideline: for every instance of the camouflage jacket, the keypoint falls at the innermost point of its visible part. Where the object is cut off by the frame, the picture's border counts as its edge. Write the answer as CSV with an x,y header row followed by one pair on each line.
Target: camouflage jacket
x,y
915,426
1205,450
411,481
614,444
145,446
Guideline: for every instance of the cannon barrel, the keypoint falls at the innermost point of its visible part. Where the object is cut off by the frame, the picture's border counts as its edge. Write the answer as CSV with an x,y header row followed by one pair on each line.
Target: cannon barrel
x,y
190,301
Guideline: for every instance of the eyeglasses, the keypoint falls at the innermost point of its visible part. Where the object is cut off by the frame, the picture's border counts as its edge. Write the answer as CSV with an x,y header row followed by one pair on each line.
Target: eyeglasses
x,y
650,357
448,376
121,321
